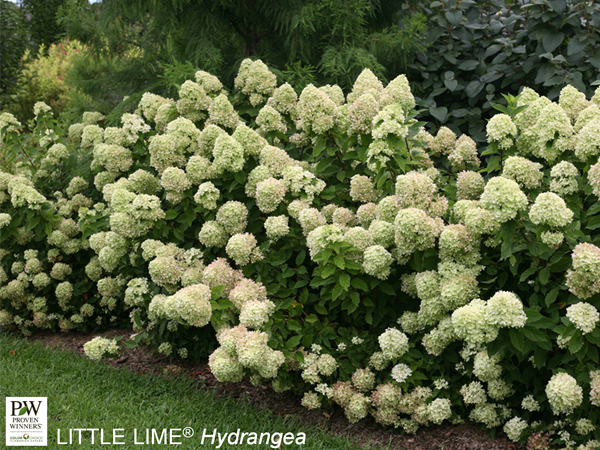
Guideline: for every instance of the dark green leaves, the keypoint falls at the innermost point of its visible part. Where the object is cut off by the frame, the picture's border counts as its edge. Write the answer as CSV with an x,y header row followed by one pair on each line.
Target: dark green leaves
x,y
439,113
551,40
474,88
454,17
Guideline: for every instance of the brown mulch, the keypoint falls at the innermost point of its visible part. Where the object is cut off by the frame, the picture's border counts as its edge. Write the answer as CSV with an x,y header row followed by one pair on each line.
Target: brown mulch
x,y
366,433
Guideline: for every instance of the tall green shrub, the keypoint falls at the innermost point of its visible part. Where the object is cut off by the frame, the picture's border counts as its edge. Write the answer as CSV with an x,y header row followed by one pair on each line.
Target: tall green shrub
x,y
478,49
45,78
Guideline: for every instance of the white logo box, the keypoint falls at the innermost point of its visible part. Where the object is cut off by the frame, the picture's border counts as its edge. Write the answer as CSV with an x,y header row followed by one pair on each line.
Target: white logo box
x,y
26,421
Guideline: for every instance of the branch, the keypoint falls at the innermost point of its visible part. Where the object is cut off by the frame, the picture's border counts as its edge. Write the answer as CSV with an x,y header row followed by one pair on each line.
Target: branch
x,y
268,33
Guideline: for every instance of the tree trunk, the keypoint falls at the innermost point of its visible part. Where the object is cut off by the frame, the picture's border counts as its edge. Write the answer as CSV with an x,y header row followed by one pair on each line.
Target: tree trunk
x,y
250,44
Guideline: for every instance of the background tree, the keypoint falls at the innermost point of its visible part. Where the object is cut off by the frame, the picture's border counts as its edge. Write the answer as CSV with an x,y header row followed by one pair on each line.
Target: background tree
x,y
157,44
41,21
13,42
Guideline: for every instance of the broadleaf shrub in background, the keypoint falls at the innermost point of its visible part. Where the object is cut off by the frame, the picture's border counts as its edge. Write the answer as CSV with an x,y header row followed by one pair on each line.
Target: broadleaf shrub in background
x,y
327,244
44,78
478,49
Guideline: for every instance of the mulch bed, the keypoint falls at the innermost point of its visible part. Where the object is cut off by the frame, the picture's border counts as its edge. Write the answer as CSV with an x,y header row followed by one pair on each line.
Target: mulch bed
x,y
366,433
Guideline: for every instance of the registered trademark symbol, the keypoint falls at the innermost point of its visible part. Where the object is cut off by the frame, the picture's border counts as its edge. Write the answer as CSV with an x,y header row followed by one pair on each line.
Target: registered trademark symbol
x,y
188,432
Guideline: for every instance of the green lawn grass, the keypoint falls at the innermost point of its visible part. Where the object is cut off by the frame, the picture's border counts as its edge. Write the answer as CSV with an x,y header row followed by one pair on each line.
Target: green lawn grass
x,y
84,394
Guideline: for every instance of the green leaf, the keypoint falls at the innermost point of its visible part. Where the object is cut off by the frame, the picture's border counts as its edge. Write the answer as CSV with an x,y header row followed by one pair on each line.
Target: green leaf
x,y
538,337
500,108
551,40
355,300
300,284
319,147
558,5
461,112
137,320
326,255
595,60
386,288
328,271
339,261
240,177
544,276
22,411
321,309
337,291
594,223
575,342
551,297
594,209
311,319
439,113
492,50
359,283
468,65
454,17
217,292
130,343
574,46
171,214
451,84
300,257
527,273
345,281
474,88
293,342
493,164
517,340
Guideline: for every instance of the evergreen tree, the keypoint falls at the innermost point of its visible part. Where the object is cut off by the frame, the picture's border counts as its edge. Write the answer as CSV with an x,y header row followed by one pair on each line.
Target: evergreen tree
x,y
13,42
157,44
41,21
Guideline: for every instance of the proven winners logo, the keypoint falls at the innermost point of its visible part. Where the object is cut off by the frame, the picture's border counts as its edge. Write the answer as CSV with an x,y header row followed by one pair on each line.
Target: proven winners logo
x,y
26,421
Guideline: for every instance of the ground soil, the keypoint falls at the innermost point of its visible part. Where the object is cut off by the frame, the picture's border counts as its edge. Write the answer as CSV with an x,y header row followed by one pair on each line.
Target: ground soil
x,y
366,433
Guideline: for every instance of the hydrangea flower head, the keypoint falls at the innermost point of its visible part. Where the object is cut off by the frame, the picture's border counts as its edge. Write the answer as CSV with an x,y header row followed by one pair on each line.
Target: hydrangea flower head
x,y
255,80
193,101
233,216
251,141
564,394
99,346
377,262
393,343
269,194
501,129
193,304
503,198
316,111
284,99
584,279
584,316
550,209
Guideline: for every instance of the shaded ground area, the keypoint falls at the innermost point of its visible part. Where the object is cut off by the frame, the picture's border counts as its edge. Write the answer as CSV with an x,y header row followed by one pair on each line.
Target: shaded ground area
x,y
366,432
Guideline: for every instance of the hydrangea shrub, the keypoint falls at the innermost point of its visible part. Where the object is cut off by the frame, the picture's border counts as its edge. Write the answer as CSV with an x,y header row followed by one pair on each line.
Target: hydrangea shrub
x,y
329,245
